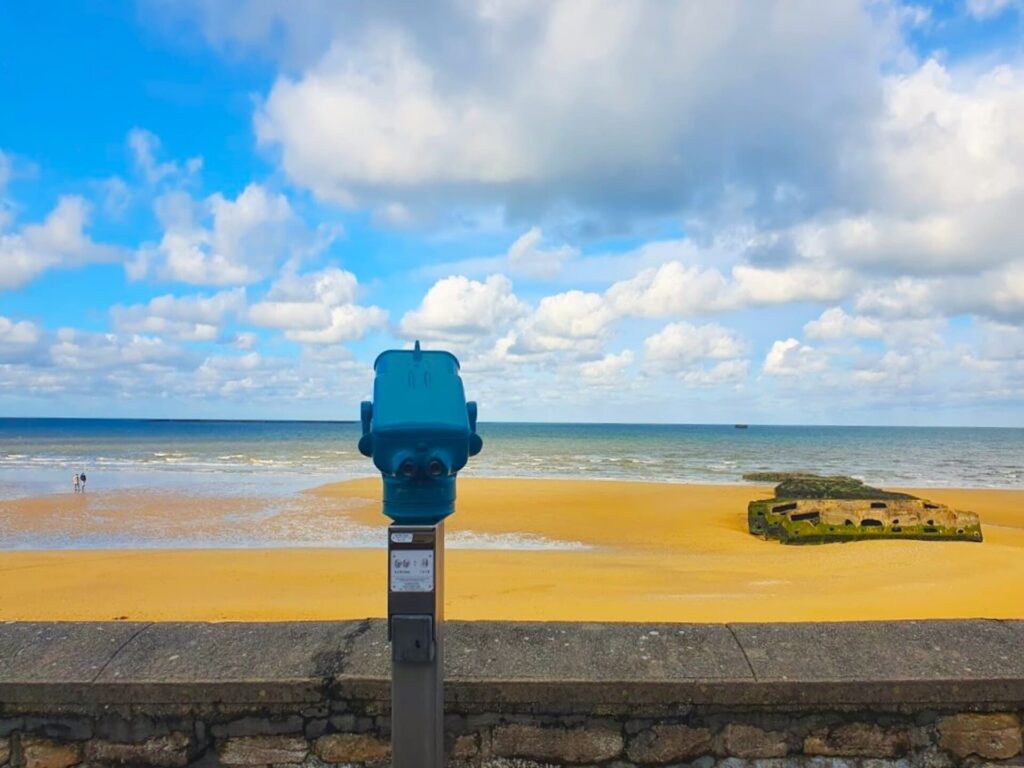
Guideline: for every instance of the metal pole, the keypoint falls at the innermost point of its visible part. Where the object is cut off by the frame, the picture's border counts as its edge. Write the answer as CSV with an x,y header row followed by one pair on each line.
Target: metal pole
x,y
416,632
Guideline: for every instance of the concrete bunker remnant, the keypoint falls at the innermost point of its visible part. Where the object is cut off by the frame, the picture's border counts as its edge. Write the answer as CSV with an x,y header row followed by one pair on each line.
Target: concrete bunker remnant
x,y
812,509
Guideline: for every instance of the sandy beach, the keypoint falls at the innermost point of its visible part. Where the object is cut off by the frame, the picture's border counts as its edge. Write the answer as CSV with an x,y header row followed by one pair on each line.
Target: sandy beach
x,y
595,550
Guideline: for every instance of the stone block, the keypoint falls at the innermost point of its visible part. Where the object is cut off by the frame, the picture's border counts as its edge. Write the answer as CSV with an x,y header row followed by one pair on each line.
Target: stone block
x,y
668,743
566,745
45,753
991,736
263,750
60,728
465,747
171,751
352,748
739,740
316,728
5,750
858,740
9,725
116,727
344,723
258,726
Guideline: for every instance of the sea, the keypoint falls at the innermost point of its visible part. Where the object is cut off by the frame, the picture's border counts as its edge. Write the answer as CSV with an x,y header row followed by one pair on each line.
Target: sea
x,y
157,484
39,456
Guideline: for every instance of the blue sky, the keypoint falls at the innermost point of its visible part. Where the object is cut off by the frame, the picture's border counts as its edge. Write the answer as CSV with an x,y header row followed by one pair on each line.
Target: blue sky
x,y
770,212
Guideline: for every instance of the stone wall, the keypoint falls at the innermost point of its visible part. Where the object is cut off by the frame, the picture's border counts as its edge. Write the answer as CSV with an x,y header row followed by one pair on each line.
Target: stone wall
x,y
518,695
317,737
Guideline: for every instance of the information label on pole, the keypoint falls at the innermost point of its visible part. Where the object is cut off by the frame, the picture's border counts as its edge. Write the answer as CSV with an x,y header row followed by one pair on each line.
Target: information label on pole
x,y
412,570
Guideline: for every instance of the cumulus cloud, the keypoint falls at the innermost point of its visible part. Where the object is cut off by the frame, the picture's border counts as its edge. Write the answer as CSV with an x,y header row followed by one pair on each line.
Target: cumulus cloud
x,y
699,355
244,241
527,255
943,177
463,311
524,112
791,358
317,308
5,170
58,241
680,344
993,294
725,372
145,148
611,367
671,289
834,323
81,351
676,289
572,323
20,341
987,9
184,318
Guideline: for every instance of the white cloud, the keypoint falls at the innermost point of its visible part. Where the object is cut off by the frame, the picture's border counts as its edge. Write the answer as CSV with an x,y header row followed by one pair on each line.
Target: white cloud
x,y
526,255
834,323
698,355
347,323
459,310
988,9
573,324
145,147
76,351
185,318
58,242
317,308
905,297
725,372
21,332
611,367
246,240
942,178
790,358
290,315
915,15
755,286
524,111
996,294
245,340
679,345
5,171
675,289
671,289
20,341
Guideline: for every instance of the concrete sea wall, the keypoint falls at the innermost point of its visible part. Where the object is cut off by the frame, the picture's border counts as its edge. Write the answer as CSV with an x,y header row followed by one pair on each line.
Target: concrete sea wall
x,y
519,695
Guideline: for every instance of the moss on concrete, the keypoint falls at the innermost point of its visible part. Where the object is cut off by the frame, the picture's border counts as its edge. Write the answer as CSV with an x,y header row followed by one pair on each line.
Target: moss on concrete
x,y
810,509
802,485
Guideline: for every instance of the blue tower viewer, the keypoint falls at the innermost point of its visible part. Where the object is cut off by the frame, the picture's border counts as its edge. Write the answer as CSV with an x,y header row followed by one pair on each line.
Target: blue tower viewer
x,y
420,432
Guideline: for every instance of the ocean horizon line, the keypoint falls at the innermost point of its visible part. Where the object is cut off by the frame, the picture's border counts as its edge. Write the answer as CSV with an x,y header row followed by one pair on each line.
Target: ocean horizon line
x,y
499,422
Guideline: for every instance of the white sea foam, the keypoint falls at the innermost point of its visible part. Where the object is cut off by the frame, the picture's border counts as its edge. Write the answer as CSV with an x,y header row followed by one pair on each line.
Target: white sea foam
x,y
513,541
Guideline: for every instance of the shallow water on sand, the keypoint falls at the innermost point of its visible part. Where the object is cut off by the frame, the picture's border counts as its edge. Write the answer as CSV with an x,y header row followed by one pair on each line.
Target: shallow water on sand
x,y
169,484
39,456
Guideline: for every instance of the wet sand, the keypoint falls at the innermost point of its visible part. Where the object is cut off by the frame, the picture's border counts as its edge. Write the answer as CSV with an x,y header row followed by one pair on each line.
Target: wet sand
x,y
630,552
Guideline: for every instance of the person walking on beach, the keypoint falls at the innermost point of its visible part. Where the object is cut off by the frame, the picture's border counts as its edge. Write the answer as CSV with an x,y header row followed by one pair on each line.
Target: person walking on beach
x,y
75,483
82,478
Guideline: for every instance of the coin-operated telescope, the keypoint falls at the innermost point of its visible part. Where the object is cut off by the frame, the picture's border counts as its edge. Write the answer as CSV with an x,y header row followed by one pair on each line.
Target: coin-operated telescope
x,y
420,432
